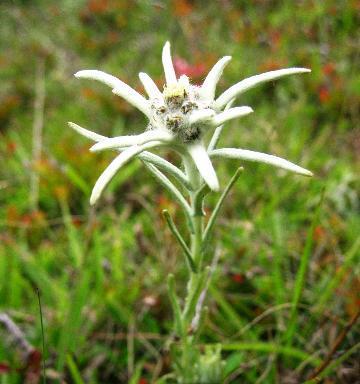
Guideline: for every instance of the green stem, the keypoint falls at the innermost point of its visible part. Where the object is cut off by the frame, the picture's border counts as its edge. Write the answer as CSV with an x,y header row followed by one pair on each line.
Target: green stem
x,y
175,305
197,275
196,255
196,241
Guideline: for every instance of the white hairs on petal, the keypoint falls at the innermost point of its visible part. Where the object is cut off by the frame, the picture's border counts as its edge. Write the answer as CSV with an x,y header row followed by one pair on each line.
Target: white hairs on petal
x,y
208,87
203,163
127,141
244,154
114,166
253,81
150,87
119,88
230,114
169,70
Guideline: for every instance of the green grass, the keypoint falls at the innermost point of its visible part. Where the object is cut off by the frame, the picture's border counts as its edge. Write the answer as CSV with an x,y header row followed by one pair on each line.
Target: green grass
x,y
287,279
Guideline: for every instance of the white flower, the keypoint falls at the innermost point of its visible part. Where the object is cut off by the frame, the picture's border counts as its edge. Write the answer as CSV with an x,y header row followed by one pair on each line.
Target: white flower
x,y
178,119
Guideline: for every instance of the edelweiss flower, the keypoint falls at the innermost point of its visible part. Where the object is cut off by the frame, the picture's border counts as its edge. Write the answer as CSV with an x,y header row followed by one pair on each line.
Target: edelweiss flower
x,y
178,118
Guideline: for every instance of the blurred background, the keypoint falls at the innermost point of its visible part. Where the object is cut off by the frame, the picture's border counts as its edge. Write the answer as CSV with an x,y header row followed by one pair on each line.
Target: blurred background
x,y
101,271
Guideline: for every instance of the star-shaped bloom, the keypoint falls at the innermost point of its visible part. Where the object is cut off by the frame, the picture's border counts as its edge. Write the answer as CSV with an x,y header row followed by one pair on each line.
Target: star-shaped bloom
x,y
178,118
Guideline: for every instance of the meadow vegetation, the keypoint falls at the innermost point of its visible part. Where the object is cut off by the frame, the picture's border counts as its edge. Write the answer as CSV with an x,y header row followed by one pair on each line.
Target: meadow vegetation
x,y
284,301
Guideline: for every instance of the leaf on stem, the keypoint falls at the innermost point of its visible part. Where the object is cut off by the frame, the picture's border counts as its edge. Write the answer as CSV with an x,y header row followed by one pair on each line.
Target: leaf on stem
x,y
219,204
194,296
180,240
166,166
175,304
172,190
198,200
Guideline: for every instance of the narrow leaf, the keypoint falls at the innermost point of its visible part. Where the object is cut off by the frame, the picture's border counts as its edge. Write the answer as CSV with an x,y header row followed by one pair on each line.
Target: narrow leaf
x,y
165,182
180,240
219,205
175,304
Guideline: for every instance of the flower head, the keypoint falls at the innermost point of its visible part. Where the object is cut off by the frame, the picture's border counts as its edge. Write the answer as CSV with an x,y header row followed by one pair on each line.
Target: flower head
x,y
178,118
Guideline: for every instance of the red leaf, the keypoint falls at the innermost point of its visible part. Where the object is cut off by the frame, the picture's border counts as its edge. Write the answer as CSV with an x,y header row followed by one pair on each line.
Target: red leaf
x,y
328,69
324,94
237,278
4,368
33,367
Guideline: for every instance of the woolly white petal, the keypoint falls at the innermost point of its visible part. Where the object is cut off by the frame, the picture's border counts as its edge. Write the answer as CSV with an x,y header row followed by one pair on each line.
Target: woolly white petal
x,y
201,116
127,141
85,132
134,98
209,85
184,80
203,163
103,77
169,70
216,135
145,156
253,81
150,87
119,88
244,154
166,166
114,166
230,114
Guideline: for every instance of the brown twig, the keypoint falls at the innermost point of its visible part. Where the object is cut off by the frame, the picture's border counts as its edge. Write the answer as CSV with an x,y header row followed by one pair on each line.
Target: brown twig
x,y
335,346
30,355
119,336
15,335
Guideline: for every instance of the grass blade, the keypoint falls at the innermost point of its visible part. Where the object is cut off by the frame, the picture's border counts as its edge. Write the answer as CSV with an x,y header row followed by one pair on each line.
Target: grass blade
x,y
74,371
301,275
338,276
233,317
42,334
271,348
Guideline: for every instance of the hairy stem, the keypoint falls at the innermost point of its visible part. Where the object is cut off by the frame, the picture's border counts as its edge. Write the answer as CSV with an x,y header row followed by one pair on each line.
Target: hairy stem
x,y
197,276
